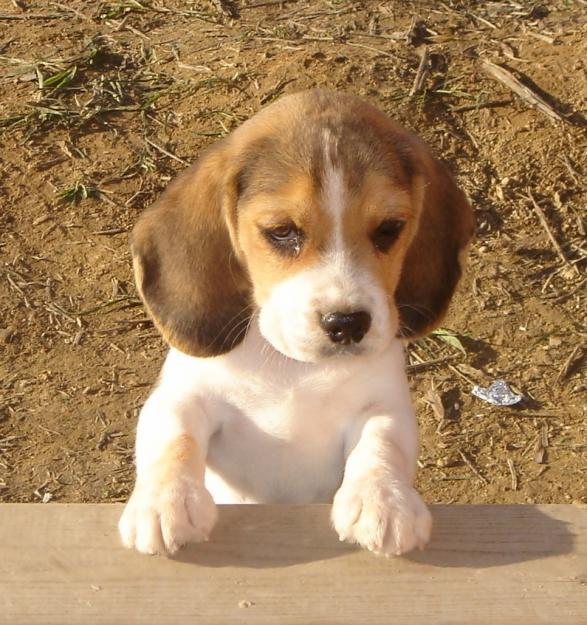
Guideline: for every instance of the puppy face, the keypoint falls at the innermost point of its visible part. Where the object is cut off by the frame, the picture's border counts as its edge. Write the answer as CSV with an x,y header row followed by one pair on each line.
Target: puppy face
x,y
324,255
309,214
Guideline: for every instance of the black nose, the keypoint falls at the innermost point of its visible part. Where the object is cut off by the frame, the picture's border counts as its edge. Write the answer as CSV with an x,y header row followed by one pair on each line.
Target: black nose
x,y
346,328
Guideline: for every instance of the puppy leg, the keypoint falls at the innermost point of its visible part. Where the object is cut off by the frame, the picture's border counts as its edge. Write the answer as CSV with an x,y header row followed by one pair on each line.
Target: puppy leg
x,y
169,505
376,506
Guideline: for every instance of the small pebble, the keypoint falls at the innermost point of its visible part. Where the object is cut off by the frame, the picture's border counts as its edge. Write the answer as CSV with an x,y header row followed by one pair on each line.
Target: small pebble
x,y
245,603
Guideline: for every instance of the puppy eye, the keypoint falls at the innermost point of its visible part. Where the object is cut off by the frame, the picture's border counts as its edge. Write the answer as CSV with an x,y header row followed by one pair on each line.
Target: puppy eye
x,y
286,237
386,234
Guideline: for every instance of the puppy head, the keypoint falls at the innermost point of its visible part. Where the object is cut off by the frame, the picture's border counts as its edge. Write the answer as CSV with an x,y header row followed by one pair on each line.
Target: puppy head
x,y
320,213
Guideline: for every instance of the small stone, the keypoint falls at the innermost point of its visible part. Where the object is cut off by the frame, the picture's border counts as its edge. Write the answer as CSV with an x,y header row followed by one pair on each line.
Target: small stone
x,y
245,603
447,462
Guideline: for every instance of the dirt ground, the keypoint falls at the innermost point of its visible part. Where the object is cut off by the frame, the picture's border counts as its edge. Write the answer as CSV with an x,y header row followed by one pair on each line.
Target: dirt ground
x,y
103,102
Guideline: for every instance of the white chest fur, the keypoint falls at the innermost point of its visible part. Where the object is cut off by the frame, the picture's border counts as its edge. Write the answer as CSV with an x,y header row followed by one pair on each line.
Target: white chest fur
x,y
258,427
277,430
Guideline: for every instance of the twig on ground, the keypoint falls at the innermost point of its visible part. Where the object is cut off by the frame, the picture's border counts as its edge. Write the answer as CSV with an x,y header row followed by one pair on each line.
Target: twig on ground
x,y
540,36
31,16
72,10
418,366
564,371
480,105
269,3
111,231
482,20
462,375
164,151
276,90
540,414
507,78
542,217
370,48
512,469
473,468
575,175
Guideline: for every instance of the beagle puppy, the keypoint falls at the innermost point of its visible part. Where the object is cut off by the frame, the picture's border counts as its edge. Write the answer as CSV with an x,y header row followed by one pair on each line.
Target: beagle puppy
x,y
283,269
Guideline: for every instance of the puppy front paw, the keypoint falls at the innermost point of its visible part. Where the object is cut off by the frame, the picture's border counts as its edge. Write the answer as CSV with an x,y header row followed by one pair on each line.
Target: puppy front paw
x,y
160,518
382,515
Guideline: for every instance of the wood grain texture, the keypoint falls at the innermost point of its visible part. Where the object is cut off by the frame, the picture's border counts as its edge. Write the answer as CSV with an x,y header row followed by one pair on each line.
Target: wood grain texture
x,y
62,564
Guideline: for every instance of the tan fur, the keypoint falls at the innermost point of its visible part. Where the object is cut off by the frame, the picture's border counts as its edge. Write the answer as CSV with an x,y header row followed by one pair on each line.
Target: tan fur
x,y
296,202
180,456
201,262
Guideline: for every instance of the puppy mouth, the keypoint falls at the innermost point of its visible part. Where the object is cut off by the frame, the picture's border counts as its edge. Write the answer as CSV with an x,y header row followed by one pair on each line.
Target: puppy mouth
x,y
332,351
319,353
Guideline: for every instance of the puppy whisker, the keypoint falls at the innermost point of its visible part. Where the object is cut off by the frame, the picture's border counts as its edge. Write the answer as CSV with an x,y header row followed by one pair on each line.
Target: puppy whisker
x,y
233,325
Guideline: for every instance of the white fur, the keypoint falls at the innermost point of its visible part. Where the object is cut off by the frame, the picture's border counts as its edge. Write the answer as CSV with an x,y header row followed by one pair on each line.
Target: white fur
x,y
274,429
334,195
289,318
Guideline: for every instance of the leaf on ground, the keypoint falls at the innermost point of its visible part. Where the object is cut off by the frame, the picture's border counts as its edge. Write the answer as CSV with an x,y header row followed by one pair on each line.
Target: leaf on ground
x,y
450,338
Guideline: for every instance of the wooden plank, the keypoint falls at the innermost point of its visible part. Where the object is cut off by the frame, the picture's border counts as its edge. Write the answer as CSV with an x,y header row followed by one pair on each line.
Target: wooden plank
x,y
62,564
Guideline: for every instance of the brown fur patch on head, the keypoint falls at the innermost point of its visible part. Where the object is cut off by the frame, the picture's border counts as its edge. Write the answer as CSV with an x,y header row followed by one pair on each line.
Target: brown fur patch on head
x,y
200,248
313,133
380,157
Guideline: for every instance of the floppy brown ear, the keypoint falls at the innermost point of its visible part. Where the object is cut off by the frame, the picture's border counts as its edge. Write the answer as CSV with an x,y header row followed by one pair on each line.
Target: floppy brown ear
x,y
433,263
186,271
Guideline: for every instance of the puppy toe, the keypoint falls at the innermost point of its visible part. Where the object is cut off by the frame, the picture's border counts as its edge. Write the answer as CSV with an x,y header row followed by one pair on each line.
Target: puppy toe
x,y
148,533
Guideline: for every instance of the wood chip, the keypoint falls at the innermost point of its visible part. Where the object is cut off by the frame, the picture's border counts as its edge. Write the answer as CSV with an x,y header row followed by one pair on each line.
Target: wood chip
x,y
41,220
245,603
422,73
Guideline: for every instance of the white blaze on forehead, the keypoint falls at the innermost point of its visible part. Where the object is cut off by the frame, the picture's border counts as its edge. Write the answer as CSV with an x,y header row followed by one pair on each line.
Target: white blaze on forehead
x,y
334,192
